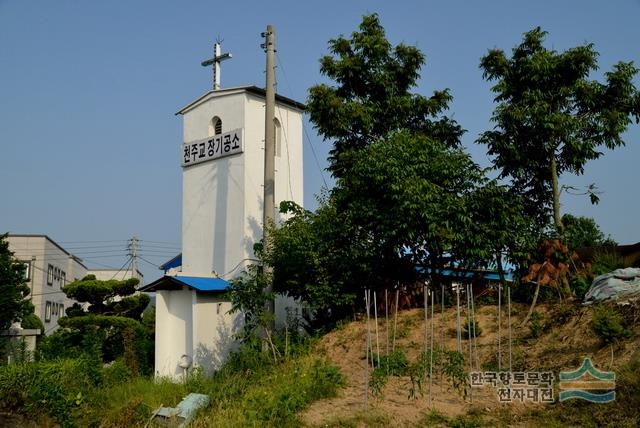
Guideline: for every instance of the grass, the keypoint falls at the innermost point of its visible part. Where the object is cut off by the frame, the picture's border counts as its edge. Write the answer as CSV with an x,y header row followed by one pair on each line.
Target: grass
x,y
249,390
473,419
370,419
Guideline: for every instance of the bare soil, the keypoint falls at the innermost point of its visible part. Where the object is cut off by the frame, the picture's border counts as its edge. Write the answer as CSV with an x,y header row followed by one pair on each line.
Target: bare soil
x,y
566,338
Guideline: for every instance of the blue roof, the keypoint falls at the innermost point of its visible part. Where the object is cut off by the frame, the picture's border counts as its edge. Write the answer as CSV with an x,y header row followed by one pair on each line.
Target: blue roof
x,y
470,273
176,261
203,284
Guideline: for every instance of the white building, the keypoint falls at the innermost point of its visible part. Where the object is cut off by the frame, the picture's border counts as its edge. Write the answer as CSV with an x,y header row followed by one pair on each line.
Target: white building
x,y
49,268
222,210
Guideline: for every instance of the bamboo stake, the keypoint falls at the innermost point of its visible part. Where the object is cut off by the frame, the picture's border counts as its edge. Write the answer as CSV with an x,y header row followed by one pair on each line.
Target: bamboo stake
x,y
431,353
458,326
395,321
366,366
469,328
509,309
475,337
386,316
426,328
499,326
375,312
369,348
442,346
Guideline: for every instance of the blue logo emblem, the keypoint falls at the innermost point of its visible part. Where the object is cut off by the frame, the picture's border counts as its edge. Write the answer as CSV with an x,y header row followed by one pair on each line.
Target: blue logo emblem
x,y
588,383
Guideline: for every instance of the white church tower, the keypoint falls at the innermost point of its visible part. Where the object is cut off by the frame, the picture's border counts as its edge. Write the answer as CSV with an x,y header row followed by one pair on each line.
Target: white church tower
x,y
222,159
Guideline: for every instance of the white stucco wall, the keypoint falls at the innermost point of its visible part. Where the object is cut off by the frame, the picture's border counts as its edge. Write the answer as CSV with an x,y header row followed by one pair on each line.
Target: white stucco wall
x,y
222,199
193,324
221,221
173,325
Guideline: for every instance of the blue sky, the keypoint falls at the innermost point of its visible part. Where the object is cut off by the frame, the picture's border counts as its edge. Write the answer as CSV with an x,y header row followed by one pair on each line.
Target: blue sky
x,y
88,92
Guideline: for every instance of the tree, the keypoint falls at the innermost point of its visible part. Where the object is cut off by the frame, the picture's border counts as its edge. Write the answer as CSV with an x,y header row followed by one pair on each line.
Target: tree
x,y
112,297
581,232
14,305
372,107
551,119
373,97
106,312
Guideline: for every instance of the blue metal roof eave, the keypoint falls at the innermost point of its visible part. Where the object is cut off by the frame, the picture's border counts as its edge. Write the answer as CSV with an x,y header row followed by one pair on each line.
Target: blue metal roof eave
x,y
200,284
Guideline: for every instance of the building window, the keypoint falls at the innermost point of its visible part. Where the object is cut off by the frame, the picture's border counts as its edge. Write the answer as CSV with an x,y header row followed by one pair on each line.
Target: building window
x,y
63,278
47,312
50,275
27,270
215,126
61,310
278,133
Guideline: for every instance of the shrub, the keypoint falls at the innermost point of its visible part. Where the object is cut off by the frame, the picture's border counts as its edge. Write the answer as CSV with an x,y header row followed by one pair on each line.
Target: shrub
x,y
474,327
535,325
453,369
51,388
580,285
605,262
608,325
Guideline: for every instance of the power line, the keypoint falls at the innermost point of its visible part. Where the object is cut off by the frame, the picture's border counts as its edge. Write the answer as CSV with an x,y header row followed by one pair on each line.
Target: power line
x,y
92,242
304,128
119,270
158,242
147,261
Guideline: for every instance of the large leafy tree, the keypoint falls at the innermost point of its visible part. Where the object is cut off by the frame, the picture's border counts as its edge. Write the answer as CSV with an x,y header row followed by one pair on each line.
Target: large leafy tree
x,y
551,118
373,95
583,232
14,305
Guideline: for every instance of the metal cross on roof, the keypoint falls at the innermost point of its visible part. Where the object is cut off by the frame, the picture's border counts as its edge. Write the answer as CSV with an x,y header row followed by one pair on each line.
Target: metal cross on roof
x,y
215,61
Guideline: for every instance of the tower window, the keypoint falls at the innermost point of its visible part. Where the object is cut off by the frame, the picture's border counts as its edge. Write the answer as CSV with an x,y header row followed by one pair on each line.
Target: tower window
x,y
215,127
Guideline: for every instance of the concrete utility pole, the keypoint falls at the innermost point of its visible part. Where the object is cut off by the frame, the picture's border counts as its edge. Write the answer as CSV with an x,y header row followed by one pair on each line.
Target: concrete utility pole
x,y
133,248
269,142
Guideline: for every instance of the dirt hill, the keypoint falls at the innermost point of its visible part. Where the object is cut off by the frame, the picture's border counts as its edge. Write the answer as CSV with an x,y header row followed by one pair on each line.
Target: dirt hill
x,y
556,340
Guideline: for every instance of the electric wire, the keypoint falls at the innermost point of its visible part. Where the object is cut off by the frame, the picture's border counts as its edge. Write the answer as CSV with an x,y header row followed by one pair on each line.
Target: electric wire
x,y
304,128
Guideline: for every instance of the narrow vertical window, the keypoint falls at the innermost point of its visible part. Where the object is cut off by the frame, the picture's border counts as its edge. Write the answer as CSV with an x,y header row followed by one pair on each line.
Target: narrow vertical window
x,y
215,126
47,312
50,275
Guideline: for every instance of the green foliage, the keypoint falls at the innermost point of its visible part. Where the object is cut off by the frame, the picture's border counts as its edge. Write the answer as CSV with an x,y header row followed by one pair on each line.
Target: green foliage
x,y
52,388
551,119
471,328
608,324
249,390
535,325
32,321
579,285
373,97
113,297
453,369
14,290
112,321
581,232
605,261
